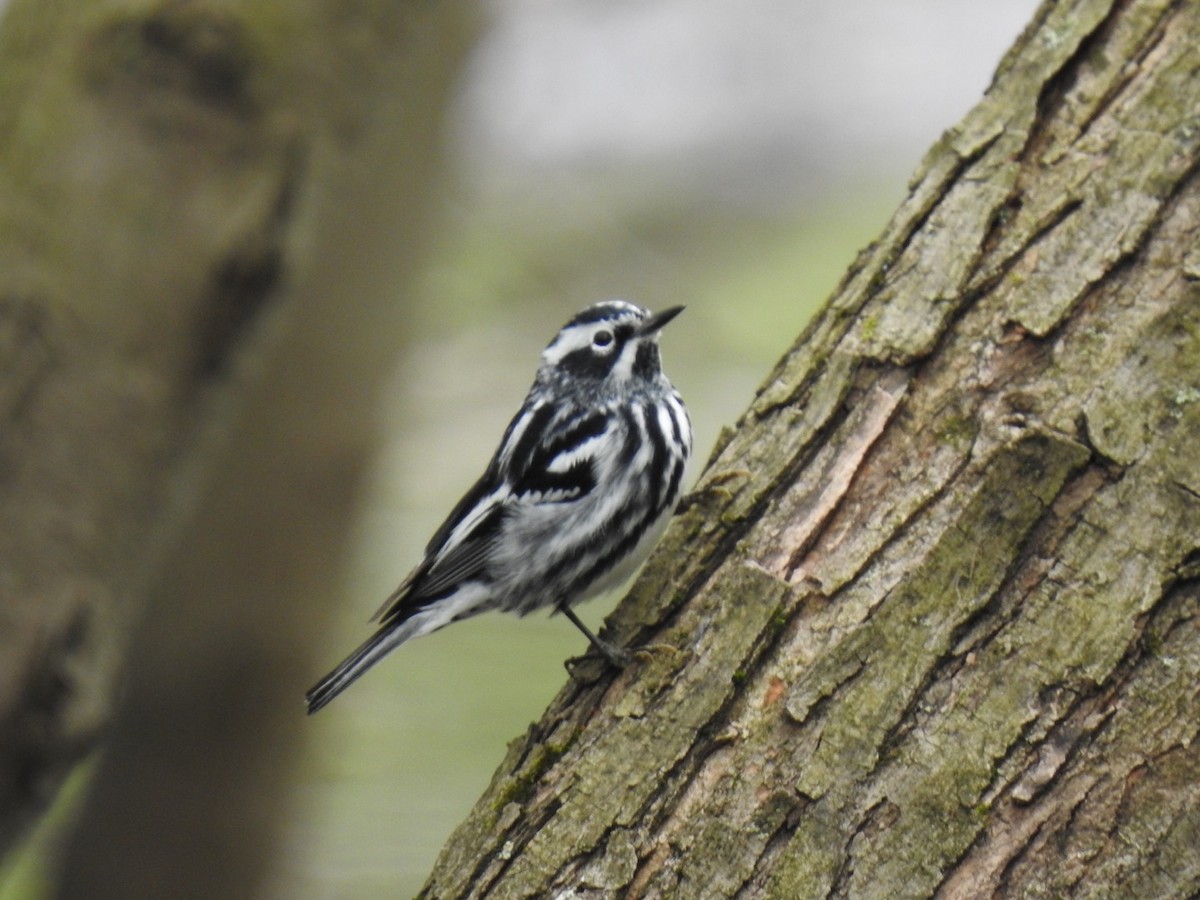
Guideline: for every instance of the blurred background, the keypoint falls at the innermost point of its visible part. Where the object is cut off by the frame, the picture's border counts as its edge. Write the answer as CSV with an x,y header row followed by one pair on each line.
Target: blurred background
x,y
731,157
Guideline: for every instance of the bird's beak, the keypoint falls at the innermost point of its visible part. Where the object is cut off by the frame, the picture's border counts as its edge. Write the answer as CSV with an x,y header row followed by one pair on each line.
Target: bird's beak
x,y
655,323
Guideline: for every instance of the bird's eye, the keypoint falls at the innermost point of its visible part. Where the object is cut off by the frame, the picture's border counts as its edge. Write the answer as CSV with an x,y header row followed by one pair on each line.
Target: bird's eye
x,y
602,338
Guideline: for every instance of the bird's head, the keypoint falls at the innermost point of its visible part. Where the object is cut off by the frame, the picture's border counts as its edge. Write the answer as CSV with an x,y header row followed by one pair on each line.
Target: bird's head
x,y
612,342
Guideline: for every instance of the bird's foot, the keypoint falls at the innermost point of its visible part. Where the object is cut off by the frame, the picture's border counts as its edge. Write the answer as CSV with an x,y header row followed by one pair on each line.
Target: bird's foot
x,y
601,655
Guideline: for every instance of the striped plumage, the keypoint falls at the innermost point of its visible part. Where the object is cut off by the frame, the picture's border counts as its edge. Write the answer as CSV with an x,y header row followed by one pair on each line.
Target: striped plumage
x,y
579,491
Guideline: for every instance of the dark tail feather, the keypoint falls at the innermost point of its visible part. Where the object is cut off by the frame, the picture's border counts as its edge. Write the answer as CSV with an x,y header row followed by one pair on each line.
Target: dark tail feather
x,y
356,664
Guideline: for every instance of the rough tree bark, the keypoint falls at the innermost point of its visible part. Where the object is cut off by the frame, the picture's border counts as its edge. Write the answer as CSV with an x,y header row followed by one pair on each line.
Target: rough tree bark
x,y
935,603
206,211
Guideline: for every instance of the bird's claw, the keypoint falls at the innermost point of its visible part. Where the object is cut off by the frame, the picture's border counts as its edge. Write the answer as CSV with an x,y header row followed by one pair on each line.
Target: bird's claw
x,y
583,668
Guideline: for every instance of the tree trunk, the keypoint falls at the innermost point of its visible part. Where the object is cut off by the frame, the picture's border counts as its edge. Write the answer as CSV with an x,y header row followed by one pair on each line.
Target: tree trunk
x,y
930,623
206,211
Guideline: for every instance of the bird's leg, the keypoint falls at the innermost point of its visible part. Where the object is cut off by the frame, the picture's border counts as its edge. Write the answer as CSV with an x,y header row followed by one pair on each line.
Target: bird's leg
x,y
617,657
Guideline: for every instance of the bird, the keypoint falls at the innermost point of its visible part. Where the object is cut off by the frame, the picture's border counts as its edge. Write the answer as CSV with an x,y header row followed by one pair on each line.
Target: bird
x,y
581,488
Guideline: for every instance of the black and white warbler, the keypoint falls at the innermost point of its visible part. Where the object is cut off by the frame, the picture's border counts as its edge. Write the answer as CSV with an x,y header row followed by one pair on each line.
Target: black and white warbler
x,y
579,491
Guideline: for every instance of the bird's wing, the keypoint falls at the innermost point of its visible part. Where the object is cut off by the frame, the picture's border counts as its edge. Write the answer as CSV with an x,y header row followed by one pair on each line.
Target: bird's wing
x,y
541,460
457,550
558,464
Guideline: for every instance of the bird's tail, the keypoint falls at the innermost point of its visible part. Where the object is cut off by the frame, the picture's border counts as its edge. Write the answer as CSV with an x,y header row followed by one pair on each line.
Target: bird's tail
x,y
353,666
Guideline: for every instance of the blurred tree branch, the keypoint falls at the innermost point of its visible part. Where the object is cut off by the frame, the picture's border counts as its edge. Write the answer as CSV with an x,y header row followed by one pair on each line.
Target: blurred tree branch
x,y
936,600
207,210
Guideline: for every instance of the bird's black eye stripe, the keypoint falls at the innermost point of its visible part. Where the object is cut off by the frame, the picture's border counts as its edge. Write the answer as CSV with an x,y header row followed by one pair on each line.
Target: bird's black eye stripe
x,y
586,363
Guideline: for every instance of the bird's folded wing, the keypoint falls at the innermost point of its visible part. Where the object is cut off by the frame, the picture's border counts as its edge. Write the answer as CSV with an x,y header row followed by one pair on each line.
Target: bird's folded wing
x,y
539,462
464,560
438,576
560,465
451,549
